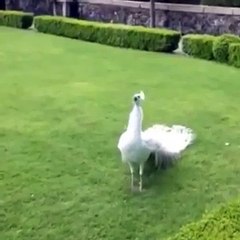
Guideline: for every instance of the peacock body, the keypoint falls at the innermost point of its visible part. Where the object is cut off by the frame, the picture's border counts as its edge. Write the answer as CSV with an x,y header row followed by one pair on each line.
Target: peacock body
x,y
164,142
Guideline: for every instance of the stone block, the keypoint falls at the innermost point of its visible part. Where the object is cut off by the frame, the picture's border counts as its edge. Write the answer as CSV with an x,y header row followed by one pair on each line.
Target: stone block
x,y
218,10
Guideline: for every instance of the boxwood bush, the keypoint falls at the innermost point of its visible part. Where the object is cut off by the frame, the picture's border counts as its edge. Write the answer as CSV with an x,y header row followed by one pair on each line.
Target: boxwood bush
x,y
16,19
221,224
234,54
199,46
136,37
221,46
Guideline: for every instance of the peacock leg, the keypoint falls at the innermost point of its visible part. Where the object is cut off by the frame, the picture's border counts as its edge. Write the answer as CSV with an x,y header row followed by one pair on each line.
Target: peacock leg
x,y
132,175
141,167
156,159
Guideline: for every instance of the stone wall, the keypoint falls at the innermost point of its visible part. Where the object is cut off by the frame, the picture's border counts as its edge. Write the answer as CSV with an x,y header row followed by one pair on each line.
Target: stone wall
x,y
36,6
185,18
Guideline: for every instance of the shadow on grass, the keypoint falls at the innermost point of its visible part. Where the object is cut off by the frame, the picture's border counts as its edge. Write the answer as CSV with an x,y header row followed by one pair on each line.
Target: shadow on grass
x,y
160,180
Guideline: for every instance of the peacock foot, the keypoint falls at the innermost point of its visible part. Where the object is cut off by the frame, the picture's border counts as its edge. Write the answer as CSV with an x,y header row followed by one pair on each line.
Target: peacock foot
x,y
134,189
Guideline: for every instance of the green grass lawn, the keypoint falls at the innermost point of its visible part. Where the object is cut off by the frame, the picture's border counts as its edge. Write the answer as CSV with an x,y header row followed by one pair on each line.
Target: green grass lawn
x,y
63,106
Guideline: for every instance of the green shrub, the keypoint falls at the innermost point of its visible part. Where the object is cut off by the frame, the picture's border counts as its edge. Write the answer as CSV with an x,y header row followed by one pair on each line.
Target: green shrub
x,y
222,224
225,3
16,19
199,46
136,37
234,54
221,45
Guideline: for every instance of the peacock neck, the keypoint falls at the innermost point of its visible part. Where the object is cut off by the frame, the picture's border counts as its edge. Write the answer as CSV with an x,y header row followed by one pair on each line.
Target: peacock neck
x,y
135,121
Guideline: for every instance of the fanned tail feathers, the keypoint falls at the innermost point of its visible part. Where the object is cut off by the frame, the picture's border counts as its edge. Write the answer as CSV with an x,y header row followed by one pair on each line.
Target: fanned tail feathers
x,y
167,143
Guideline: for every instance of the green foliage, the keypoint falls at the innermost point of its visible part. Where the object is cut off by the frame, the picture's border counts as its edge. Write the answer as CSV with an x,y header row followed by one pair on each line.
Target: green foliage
x,y
16,19
222,224
226,3
234,54
199,46
136,37
221,45
211,47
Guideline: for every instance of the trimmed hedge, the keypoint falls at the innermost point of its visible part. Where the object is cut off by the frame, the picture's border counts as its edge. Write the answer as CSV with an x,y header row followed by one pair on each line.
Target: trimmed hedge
x,y
221,224
199,46
221,45
16,19
234,54
136,37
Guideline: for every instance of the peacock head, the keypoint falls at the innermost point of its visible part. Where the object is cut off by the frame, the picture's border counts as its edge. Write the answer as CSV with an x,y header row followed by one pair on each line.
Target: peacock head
x,y
138,97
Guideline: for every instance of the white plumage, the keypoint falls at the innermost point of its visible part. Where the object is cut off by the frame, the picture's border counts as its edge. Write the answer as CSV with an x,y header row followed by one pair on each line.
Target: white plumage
x,y
166,143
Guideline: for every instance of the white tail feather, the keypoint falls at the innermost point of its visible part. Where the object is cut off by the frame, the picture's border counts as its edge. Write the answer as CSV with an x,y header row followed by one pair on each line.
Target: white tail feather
x,y
167,142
